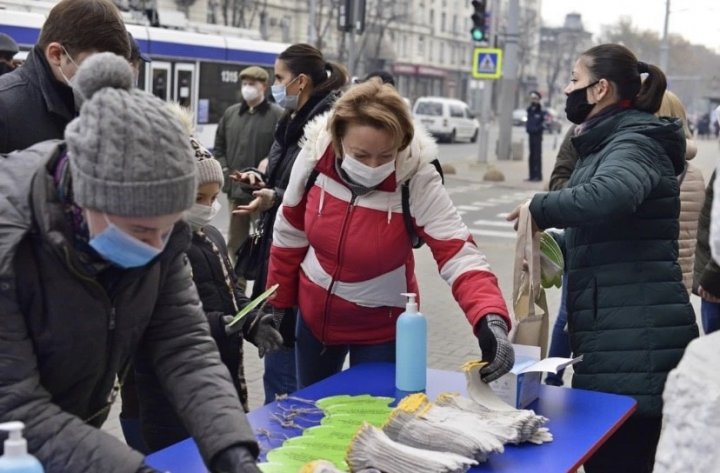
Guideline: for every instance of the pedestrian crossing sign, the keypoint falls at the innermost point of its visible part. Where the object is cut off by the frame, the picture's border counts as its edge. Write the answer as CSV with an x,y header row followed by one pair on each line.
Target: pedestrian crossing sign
x,y
487,63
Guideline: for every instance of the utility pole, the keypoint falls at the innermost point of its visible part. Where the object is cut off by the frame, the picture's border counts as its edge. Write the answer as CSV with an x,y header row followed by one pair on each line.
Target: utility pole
x,y
510,80
312,27
664,46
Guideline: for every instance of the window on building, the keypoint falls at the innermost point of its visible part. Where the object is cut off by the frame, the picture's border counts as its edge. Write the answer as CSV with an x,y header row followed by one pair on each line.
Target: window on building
x,y
441,54
421,45
432,18
454,24
443,20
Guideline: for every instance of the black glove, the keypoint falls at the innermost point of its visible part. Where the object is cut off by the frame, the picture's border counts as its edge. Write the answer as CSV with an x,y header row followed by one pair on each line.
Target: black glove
x,y
497,350
259,329
235,459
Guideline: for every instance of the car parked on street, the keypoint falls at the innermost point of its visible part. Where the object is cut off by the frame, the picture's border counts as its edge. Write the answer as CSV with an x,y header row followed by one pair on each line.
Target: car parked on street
x,y
447,119
552,124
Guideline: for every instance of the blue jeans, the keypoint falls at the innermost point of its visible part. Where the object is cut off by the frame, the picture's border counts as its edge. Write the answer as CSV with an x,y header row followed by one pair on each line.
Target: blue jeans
x,y
279,376
316,361
560,339
710,314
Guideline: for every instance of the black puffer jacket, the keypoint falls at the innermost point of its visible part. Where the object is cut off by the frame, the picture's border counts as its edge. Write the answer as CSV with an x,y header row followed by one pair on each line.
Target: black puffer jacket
x,y
628,310
65,336
34,107
283,152
214,285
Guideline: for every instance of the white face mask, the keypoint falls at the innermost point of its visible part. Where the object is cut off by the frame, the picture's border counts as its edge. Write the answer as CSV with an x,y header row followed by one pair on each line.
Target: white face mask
x,y
77,95
250,93
200,215
365,175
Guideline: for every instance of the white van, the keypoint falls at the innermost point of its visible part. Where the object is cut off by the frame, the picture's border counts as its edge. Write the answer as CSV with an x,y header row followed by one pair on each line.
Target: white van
x,y
446,119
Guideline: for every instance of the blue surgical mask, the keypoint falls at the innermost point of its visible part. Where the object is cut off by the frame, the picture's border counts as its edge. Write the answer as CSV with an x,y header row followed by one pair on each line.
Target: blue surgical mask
x,y
279,93
122,249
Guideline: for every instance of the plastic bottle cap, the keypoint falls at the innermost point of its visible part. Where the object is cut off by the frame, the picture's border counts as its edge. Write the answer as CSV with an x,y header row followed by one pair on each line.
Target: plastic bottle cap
x,y
15,445
411,305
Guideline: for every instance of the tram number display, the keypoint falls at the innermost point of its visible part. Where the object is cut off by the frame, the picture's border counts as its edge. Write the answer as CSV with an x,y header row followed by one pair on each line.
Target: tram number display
x,y
229,76
219,87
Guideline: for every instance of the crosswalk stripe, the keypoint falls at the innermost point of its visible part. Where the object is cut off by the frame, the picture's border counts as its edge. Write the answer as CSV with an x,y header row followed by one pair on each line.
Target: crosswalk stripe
x,y
494,223
467,207
492,233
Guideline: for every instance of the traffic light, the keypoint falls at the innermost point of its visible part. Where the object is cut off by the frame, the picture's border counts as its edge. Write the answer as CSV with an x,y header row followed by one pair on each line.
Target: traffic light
x,y
479,21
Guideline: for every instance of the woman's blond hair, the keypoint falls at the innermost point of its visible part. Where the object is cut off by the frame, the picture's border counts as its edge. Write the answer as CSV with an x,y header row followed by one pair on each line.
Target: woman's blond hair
x,y
671,106
374,104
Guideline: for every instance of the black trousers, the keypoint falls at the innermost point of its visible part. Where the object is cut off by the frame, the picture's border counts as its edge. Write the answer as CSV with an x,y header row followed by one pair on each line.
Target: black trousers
x,y
535,160
630,450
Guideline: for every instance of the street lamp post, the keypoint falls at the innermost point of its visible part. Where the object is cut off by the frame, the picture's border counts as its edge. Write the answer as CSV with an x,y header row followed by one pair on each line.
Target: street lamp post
x,y
664,46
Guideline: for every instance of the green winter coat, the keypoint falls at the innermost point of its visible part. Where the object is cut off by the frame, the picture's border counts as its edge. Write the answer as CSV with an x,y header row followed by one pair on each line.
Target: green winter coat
x,y
628,310
243,139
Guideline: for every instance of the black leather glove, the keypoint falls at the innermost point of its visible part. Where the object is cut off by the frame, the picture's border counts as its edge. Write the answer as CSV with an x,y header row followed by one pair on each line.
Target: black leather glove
x,y
259,329
497,351
235,459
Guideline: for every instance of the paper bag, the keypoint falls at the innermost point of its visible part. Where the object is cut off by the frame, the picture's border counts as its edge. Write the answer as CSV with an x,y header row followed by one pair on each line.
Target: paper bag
x,y
532,323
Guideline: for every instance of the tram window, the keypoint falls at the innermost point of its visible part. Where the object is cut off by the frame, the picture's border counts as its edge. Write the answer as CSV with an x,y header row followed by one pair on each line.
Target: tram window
x,y
160,83
220,86
184,88
141,76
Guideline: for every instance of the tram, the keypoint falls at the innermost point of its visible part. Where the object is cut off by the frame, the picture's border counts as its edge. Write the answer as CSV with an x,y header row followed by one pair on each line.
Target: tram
x,y
200,71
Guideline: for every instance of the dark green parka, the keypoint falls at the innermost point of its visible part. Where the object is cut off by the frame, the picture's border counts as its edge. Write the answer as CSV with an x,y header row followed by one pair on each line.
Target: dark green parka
x,y
628,311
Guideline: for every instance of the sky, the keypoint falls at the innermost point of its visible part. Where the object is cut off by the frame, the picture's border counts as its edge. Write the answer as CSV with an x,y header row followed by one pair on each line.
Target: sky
x,y
696,20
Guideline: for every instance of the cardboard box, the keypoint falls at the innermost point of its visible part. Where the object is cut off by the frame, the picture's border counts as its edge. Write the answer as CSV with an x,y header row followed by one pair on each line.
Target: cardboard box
x,y
521,385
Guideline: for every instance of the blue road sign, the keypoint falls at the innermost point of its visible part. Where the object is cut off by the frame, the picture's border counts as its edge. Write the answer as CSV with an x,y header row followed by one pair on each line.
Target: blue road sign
x,y
487,63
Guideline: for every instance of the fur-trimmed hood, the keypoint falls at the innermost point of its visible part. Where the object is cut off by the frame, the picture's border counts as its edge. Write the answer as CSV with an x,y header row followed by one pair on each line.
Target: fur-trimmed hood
x,y
422,149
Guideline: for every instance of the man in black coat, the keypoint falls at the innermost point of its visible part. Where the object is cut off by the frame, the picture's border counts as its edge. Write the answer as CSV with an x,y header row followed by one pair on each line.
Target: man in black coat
x,y
8,49
534,126
37,101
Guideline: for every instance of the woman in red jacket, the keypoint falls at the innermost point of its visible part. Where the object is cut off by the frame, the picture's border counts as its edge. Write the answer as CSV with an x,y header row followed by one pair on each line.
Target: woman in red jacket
x,y
341,252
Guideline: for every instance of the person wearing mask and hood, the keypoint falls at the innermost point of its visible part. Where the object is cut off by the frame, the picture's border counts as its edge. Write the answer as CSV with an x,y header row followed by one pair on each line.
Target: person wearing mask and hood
x,y
243,139
94,276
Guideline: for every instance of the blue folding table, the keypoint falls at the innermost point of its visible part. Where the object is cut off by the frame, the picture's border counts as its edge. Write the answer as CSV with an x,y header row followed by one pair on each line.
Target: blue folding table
x,y
580,421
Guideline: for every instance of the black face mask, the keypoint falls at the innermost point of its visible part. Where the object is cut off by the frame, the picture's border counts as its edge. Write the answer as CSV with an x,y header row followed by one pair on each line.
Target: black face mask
x,y
577,108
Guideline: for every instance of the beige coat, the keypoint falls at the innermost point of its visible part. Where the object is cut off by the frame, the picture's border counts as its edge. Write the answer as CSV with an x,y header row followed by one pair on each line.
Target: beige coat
x,y
692,196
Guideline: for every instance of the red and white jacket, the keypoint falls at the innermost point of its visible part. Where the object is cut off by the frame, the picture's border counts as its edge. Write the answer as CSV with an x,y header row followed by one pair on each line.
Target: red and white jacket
x,y
344,260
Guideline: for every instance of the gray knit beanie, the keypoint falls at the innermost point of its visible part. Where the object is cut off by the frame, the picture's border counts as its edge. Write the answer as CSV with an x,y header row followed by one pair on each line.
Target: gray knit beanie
x,y
129,154
209,168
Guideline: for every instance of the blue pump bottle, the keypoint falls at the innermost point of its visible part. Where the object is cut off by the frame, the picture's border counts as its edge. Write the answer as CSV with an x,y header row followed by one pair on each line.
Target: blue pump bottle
x,y
411,349
15,457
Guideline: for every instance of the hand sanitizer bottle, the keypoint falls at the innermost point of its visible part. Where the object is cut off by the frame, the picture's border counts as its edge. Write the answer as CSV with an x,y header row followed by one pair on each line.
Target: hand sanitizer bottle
x,y
16,459
411,349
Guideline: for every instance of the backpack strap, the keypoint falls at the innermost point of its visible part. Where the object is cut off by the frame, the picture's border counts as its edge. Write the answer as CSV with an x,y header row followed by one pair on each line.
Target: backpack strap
x,y
415,239
311,180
